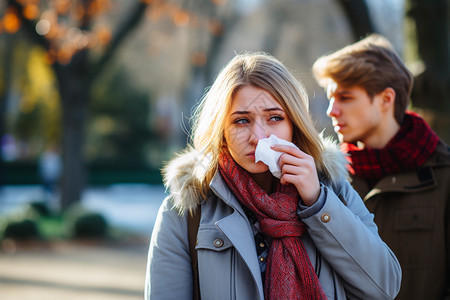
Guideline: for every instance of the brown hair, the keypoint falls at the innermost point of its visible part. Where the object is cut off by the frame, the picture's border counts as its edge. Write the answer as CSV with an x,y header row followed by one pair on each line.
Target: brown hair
x,y
371,64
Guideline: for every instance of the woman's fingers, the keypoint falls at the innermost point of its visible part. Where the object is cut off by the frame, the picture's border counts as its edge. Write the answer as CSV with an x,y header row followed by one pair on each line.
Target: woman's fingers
x,y
289,150
299,169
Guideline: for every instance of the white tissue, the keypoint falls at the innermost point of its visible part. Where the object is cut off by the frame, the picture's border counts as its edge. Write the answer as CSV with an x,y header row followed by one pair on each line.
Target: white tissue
x,y
268,156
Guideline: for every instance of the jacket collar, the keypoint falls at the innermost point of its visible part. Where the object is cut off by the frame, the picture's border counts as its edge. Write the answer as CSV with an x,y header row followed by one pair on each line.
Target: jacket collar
x,y
221,190
413,181
408,182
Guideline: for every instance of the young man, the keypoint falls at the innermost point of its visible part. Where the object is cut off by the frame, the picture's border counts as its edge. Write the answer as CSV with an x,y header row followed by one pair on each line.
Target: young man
x,y
398,165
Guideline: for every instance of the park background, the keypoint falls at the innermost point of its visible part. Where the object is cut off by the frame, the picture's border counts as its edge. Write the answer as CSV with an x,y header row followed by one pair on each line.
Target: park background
x,y
109,86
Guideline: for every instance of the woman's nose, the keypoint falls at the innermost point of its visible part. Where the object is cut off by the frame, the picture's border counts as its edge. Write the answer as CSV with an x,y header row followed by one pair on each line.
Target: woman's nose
x,y
258,132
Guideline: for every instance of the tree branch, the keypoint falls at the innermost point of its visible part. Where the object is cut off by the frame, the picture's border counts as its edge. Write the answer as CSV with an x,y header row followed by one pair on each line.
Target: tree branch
x,y
29,26
124,29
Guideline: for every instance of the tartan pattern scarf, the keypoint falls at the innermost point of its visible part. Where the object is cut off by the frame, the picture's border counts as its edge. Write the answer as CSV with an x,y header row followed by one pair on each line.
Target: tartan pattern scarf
x,y
409,149
289,272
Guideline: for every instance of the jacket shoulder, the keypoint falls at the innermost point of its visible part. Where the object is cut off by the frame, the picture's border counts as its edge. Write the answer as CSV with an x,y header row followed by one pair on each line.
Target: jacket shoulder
x,y
443,151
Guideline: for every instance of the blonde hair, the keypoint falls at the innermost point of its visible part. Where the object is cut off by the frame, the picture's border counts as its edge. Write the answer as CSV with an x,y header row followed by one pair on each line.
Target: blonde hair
x,y
260,70
371,64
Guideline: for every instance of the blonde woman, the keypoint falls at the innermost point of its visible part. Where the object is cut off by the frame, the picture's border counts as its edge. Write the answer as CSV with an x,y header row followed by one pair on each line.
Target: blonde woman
x,y
304,235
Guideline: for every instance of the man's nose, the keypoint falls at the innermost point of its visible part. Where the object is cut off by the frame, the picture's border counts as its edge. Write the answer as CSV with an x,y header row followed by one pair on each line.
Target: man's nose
x,y
333,108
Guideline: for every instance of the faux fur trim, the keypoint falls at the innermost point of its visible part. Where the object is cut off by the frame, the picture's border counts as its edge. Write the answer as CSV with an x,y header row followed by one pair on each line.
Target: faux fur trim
x,y
181,175
180,180
334,160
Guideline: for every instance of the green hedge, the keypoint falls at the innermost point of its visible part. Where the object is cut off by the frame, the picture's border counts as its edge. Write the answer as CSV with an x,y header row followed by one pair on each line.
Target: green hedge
x,y
27,173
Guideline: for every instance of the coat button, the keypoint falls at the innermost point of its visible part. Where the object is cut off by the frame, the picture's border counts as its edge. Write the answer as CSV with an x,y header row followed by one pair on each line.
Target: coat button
x,y
218,243
325,218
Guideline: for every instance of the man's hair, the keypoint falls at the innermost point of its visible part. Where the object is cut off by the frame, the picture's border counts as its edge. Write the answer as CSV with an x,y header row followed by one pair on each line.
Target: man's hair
x,y
371,64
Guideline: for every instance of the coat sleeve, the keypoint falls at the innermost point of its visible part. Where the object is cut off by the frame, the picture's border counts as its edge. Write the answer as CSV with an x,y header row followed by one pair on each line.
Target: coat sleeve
x,y
169,271
344,232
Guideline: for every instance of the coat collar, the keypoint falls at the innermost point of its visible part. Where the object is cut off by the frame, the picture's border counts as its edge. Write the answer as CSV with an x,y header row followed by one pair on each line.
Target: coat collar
x,y
408,182
413,181
221,190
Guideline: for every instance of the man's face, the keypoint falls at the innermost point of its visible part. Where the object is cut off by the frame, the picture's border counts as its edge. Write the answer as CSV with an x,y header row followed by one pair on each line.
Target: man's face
x,y
355,116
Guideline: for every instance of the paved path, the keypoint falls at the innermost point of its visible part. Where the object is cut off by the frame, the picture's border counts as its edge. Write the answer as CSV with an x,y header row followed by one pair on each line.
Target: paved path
x,y
66,271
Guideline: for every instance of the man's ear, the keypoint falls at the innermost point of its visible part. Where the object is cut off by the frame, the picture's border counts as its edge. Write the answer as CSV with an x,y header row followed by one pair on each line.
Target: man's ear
x,y
388,98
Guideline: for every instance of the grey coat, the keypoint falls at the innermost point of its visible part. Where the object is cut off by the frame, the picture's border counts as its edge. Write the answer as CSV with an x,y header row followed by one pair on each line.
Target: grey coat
x,y
353,263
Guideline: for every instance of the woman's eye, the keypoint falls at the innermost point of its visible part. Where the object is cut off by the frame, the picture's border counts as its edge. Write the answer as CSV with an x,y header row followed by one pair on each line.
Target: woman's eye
x,y
241,121
276,118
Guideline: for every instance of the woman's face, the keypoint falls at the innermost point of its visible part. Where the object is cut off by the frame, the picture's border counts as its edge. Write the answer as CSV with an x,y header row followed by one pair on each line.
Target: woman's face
x,y
254,115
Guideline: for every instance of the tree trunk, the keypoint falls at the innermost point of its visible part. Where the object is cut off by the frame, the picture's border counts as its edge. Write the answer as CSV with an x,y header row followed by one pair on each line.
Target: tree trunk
x,y
6,80
358,15
4,91
431,91
74,90
74,172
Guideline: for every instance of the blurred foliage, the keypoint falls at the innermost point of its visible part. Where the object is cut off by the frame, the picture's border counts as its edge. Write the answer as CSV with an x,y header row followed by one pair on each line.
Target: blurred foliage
x,y
82,223
20,224
35,221
91,225
37,117
23,229
118,128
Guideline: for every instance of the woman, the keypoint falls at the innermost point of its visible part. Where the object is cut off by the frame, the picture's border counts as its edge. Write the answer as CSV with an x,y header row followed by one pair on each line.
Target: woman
x,y
306,235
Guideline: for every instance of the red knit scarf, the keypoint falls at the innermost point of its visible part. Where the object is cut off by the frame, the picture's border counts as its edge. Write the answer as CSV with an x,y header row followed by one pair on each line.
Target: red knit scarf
x,y
289,273
409,148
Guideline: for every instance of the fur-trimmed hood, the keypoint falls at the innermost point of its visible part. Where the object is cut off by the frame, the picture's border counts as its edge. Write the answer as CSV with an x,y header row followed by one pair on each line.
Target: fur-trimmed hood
x,y
179,174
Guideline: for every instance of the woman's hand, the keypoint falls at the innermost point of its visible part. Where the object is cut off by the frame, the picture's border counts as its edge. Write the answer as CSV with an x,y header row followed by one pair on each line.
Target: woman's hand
x,y
299,168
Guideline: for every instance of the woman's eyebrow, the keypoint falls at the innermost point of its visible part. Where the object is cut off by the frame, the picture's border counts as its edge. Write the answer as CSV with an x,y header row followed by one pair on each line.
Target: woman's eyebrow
x,y
274,109
245,112
240,112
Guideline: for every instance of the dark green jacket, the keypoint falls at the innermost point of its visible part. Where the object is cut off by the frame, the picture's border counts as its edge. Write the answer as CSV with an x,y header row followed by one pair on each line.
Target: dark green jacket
x,y
412,211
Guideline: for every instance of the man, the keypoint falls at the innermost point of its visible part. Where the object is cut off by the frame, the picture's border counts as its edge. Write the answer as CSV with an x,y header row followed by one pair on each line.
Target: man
x,y
398,165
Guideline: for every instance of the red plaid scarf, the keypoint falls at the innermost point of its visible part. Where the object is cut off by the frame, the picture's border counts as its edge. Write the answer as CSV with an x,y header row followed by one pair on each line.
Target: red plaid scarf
x,y
409,148
289,272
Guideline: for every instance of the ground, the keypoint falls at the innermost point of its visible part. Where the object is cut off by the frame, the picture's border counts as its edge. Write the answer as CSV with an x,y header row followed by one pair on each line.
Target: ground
x,y
73,270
